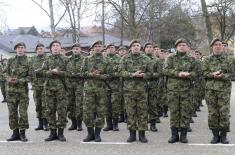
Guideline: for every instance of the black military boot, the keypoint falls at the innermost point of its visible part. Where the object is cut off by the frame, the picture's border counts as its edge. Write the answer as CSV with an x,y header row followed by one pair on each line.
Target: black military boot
x,y
4,99
174,135
115,124
45,124
52,136
15,136
79,125
183,135
90,136
194,114
125,118
216,137
73,125
165,109
189,129
109,125
97,134
121,118
223,137
142,137
61,135
153,125
158,120
23,138
132,136
40,125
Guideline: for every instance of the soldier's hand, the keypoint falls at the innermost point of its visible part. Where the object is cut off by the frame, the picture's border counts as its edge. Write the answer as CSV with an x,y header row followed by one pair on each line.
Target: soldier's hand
x,y
12,80
214,74
219,76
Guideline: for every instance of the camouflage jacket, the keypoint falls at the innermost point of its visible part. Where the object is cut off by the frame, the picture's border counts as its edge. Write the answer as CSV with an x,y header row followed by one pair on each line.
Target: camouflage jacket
x,y
18,67
215,63
179,62
55,81
73,69
91,63
129,65
113,71
36,62
2,78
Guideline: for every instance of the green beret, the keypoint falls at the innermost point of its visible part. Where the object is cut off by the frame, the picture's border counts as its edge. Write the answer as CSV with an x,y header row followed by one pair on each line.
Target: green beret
x,y
19,44
95,43
53,42
75,45
134,41
213,41
122,48
111,44
181,40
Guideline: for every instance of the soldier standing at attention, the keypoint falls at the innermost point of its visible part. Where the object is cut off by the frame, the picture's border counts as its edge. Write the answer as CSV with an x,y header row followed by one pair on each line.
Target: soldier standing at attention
x,y
38,87
75,84
94,70
17,75
54,70
153,104
113,104
218,70
134,69
180,70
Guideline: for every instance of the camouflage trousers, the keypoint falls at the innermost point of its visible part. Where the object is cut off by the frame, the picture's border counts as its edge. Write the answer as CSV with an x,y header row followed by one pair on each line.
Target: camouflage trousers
x,y
75,102
137,110
113,105
218,103
180,105
94,108
56,107
3,88
17,107
153,104
39,99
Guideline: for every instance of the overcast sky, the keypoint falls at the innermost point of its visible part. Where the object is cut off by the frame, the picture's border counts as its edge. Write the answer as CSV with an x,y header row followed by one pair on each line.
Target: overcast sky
x,y
20,13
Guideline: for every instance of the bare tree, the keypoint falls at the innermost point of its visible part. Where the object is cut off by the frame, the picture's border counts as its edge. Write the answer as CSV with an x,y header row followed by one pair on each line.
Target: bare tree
x,y
51,15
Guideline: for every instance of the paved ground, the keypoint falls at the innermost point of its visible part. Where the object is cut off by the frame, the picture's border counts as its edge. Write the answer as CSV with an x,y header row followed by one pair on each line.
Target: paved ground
x,y
114,143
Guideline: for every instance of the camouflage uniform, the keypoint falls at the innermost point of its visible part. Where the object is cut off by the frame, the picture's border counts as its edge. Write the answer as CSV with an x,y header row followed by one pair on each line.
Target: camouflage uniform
x,y
95,91
114,106
135,91
2,82
75,84
55,91
178,93
17,94
153,104
37,85
218,91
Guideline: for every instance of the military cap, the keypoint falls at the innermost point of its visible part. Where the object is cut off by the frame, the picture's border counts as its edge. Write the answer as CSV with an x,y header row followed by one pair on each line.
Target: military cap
x,y
19,44
181,40
111,44
146,44
163,50
134,41
224,43
53,42
75,45
39,45
213,41
122,48
155,45
95,43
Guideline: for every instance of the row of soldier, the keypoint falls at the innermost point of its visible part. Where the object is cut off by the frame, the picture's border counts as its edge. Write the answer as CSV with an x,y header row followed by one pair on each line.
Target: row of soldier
x,y
115,85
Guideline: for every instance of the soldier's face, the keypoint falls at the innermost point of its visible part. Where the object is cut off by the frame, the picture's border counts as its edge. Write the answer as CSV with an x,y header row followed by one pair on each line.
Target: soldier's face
x,y
56,48
157,50
40,50
197,55
98,48
76,50
148,49
135,48
225,48
182,47
217,47
122,52
20,50
111,50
